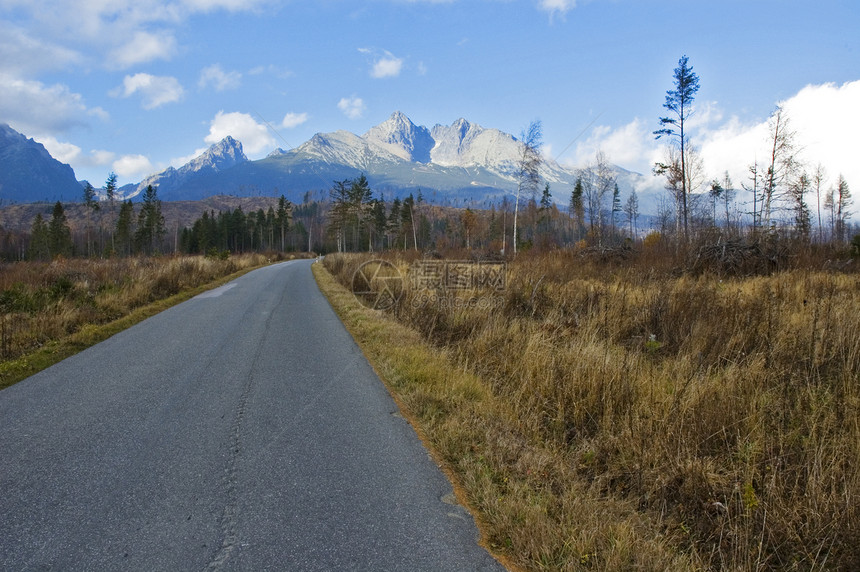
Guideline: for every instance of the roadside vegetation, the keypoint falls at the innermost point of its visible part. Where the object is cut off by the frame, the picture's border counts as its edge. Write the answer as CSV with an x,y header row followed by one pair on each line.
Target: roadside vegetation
x,y
644,411
49,310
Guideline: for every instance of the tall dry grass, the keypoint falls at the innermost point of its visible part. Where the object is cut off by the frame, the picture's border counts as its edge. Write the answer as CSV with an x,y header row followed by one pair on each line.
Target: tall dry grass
x,y
718,415
41,302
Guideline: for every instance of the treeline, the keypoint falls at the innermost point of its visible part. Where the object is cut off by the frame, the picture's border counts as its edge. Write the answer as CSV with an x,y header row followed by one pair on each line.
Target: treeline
x,y
237,231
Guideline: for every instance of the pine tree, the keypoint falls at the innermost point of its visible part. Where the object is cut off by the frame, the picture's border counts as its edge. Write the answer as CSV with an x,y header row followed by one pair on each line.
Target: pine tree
x,y
91,205
39,240
123,232
577,208
842,204
545,211
282,218
59,234
616,205
150,223
679,102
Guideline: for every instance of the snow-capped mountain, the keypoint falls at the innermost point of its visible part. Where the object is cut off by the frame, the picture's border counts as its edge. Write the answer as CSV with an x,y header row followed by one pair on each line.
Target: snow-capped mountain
x,y
449,163
221,156
28,173
402,138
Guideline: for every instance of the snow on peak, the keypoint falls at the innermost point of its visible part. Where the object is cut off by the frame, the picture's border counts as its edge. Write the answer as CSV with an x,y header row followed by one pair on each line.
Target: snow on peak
x,y
222,155
402,138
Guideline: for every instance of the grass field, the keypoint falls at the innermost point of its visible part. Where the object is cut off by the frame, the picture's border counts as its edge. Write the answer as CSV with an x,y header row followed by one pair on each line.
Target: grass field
x,y
49,311
620,415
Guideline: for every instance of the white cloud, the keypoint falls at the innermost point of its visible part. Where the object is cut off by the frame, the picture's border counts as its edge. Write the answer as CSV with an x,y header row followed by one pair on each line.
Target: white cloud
x,y
255,137
825,118
386,66
121,33
177,162
155,90
98,158
143,47
132,166
293,120
353,107
24,55
276,71
219,79
34,108
560,7
59,150
630,145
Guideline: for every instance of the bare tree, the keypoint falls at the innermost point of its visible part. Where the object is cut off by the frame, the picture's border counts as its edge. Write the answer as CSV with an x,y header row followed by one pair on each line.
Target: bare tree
x,y
631,211
783,163
528,173
818,179
598,181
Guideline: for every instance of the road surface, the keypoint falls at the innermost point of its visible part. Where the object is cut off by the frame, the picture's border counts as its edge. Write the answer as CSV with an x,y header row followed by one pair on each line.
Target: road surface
x,y
240,430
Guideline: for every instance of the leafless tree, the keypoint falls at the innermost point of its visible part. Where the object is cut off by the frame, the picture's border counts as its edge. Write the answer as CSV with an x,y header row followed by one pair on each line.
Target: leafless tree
x,y
528,172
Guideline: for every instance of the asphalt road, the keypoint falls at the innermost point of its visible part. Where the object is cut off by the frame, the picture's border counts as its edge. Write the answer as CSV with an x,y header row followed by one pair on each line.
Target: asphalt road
x,y
240,430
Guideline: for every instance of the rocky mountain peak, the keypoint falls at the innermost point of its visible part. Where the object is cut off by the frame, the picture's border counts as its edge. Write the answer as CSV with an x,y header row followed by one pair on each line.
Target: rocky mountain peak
x,y
402,138
220,156
29,173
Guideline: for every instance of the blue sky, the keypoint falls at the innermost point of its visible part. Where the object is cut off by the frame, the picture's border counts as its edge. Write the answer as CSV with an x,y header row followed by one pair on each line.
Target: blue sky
x,y
133,86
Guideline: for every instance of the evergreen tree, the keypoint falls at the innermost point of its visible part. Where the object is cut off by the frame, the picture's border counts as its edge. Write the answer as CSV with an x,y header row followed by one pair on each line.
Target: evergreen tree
x,y
802,217
59,234
577,208
282,218
394,222
545,211
616,205
842,203
123,232
39,240
91,205
379,218
110,187
150,223
407,221
679,102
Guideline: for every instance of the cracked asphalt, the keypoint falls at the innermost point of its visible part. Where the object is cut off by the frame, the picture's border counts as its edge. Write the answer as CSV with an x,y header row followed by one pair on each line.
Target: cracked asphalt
x,y
240,430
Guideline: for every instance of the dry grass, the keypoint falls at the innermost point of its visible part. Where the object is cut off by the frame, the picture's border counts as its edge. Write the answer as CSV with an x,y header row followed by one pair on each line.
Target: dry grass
x,y
637,417
64,301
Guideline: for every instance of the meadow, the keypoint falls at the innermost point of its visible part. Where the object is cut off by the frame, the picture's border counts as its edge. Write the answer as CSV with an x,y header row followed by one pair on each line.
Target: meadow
x,y
633,413
49,310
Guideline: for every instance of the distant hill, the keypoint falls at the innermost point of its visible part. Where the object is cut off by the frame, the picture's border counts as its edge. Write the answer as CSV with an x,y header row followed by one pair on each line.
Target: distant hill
x,y
28,173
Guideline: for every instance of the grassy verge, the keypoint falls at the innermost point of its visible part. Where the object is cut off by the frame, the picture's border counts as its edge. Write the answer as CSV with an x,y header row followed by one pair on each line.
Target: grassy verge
x,y
53,311
533,511
630,415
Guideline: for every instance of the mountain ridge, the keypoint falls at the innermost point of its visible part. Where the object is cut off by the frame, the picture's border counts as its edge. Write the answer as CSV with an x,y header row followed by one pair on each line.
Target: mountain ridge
x,y
28,172
458,163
